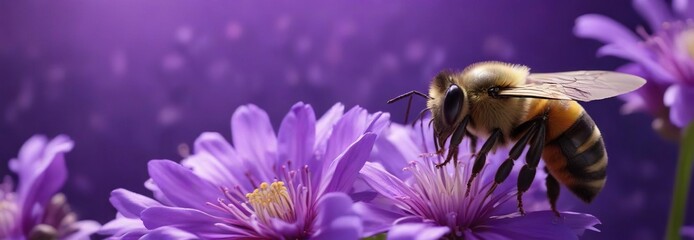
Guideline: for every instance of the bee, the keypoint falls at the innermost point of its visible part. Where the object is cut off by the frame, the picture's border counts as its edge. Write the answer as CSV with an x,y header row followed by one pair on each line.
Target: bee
x,y
505,103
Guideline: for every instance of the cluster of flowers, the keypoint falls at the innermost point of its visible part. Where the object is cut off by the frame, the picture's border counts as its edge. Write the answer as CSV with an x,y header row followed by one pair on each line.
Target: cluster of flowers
x,y
345,175
665,58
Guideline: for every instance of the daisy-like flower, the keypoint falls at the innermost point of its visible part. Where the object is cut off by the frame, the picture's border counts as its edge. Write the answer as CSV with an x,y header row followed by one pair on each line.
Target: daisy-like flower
x,y
665,57
419,201
293,185
35,209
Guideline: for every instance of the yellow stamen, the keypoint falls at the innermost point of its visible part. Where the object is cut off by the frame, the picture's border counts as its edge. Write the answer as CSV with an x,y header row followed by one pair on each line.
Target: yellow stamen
x,y
686,40
272,201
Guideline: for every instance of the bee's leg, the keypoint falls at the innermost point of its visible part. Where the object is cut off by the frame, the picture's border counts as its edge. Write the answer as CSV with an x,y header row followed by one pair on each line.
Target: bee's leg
x,y
517,149
482,157
532,159
456,139
552,191
473,143
437,149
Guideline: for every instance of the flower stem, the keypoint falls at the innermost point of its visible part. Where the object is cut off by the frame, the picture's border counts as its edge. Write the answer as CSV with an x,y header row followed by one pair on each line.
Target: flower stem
x,y
683,178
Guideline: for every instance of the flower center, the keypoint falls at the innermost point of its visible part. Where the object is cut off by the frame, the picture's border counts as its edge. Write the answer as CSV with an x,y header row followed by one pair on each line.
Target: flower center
x,y
672,45
442,195
288,198
272,201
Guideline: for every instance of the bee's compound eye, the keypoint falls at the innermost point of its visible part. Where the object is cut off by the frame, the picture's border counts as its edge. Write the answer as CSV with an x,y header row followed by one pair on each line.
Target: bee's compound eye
x,y
452,103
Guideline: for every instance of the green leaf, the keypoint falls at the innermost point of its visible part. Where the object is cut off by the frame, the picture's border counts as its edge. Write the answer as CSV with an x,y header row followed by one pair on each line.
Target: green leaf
x,y
381,236
683,179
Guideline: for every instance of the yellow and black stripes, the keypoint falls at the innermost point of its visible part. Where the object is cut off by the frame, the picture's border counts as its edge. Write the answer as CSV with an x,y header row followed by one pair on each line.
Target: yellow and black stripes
x,y
585,160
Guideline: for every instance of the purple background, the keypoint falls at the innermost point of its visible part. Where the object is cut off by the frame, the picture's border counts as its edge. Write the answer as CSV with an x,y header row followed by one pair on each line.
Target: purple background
x,y
129,80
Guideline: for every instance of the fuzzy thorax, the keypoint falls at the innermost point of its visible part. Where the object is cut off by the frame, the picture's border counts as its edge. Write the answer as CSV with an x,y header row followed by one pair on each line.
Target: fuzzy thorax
x,y
488,112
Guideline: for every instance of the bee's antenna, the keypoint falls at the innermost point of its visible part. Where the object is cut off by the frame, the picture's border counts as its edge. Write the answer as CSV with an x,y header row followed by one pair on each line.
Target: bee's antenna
x,y
409,102
407,94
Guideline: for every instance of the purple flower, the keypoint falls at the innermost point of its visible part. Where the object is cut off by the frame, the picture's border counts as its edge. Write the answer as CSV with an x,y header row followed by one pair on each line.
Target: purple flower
x,y
293,185
688,231
418,201
35,209
665,58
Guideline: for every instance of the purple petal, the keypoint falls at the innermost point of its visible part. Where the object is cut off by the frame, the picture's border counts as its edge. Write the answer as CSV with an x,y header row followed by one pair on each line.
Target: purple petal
x,y
418,231
29,153
409,219
688,231
186,219
130,204
332,206
603,29
42,172
214,144
211,169
168,233
217,161
376,219
394,148
285,229
253,136
539,225
680,98
35,157
621,42
656,12
156,192
342,172
378,122
130,236
336,219
297,135
121,226
84,230
649,98
345,131
684,8
422,136
325,125
362,194
180,186
637,53
579,222
383,182
350,127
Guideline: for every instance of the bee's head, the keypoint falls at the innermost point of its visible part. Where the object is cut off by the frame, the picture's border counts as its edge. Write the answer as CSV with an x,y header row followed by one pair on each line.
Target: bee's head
x,y
449,104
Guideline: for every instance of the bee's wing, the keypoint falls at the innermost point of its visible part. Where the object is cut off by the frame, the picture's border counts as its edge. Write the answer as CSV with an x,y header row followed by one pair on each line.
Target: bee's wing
x,y
577,85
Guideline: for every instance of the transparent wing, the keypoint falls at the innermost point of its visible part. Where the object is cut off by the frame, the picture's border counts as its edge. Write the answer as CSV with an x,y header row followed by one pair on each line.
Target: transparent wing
x,y
577,85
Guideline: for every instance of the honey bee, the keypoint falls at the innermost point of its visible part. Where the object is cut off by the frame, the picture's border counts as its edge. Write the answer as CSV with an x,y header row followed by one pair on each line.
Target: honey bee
x,y
506,103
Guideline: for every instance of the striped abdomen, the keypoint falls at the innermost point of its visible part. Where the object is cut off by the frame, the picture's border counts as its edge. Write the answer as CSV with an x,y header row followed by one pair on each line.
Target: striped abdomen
x,y
577,157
